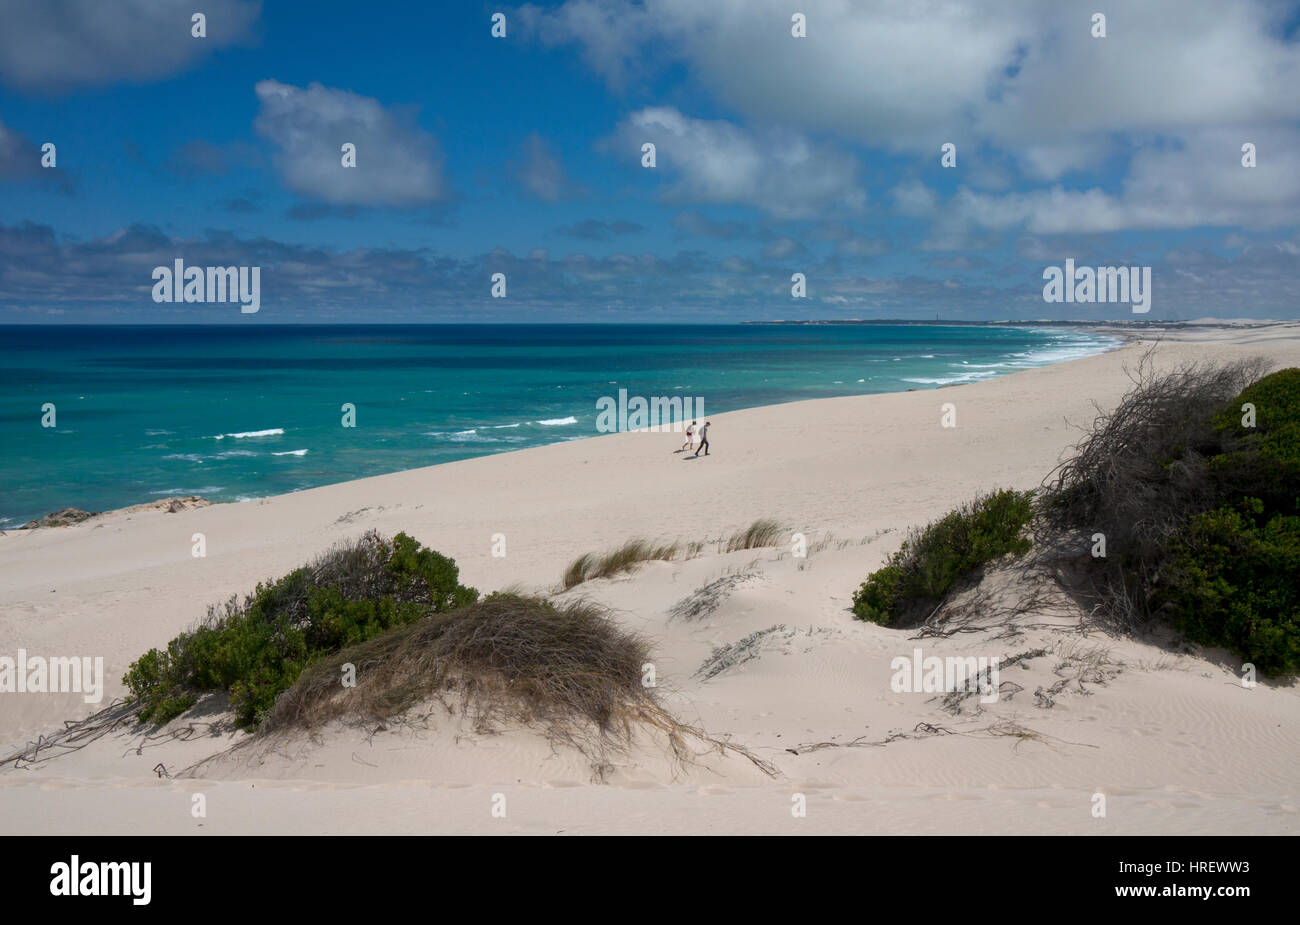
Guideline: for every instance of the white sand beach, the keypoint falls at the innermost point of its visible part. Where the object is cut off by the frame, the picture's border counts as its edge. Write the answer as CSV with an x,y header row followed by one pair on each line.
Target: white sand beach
x,y
1169,737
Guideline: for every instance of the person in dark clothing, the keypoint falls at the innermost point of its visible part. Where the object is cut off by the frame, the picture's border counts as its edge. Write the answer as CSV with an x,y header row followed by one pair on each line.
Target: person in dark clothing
x,y
704,439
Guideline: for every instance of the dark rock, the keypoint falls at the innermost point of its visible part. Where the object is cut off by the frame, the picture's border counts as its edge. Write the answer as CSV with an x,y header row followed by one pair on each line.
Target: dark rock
x,y
69,515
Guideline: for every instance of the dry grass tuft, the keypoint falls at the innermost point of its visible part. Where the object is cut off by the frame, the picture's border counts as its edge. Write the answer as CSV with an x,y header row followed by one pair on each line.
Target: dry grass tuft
x,y
509,659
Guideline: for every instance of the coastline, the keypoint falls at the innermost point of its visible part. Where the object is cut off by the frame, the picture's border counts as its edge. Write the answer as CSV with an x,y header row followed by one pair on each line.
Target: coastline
x,y
457,506
853,472
1120,335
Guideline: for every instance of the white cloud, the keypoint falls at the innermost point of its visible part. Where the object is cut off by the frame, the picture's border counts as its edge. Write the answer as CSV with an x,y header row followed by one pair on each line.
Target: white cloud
x,y
1198,182
914,198
1022,80
890,72
53,45
398,164
910,74
610,32
781,172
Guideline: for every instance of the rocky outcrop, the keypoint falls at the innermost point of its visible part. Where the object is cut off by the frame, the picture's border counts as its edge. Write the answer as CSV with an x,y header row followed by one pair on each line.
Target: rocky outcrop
x,y
69,515
74,515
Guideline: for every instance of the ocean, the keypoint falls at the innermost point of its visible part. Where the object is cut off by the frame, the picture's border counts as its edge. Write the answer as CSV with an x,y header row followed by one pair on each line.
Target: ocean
x,y
235,412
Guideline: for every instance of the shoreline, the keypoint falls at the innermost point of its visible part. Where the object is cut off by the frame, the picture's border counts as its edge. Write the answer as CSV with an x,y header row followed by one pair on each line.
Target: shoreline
x,y
1166,733
1121,336
389,491
1126,335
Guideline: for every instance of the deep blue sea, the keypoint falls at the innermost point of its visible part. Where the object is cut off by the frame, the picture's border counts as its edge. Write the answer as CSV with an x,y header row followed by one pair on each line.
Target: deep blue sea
x,y
240,412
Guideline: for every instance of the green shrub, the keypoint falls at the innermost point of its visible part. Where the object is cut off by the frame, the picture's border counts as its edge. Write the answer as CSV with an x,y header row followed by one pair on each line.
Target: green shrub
x,y
1199,508
1262,461
933,560
879,595
1229,576
1230,579
1140,472
256,650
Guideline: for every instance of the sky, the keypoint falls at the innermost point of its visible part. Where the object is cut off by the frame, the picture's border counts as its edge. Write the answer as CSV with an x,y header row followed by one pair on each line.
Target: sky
x,y
776,154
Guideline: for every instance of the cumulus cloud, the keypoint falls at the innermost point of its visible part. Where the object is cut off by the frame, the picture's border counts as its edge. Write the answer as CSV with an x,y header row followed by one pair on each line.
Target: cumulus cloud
x,y
781,172
914,198
1197,182
1166,66
610,33
905,74
55,45
1022,80
397,163
891,71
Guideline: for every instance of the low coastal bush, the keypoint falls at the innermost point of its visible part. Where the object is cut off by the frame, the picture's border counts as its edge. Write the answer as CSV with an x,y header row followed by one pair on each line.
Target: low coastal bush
x,y
1262,460
1194,481
1230,575
1231,579
255,650
623,559
933,560
1142,470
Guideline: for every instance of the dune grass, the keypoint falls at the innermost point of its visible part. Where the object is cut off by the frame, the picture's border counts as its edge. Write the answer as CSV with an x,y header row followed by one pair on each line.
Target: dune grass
x,y
762,532
567,669
623,559
511,656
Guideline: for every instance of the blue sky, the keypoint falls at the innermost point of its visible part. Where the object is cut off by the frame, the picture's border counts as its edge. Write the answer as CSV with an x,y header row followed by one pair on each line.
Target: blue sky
x,y
776,155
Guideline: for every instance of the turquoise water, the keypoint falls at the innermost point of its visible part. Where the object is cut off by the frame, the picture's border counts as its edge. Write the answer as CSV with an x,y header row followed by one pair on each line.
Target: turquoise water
x,y
240,412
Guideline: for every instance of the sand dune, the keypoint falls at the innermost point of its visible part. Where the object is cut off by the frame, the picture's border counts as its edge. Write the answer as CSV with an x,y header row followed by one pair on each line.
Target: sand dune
x,y
1170,738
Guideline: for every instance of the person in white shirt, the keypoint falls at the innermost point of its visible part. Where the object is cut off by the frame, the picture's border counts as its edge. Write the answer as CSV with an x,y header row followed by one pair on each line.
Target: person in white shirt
x,y
690,437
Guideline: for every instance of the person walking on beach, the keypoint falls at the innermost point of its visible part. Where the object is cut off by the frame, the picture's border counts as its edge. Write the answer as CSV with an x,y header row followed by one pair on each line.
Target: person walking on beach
x,y
704,439
690,437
